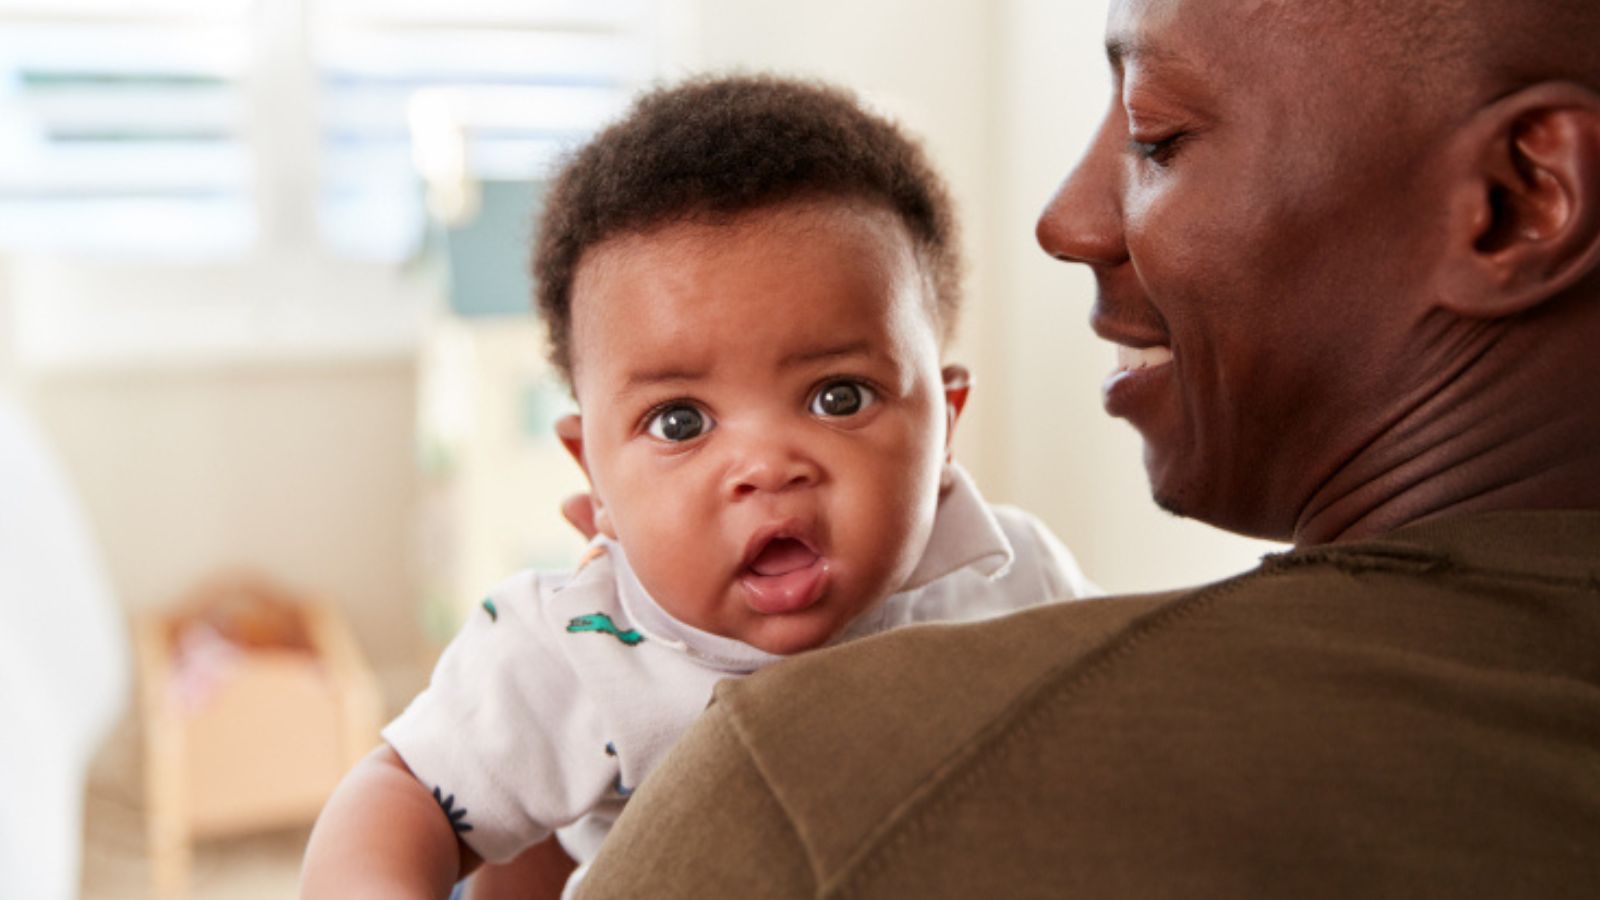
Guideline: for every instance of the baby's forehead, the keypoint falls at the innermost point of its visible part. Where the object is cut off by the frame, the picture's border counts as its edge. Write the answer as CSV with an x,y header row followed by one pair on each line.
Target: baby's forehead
x,y
793,280
855,224
837,233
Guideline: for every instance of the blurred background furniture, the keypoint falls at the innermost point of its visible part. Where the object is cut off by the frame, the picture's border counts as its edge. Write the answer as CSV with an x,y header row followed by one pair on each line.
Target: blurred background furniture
x,y
254,704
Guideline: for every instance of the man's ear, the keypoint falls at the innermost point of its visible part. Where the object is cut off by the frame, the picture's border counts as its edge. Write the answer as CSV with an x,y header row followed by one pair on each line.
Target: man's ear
x,y
569,429
957,384
1525,216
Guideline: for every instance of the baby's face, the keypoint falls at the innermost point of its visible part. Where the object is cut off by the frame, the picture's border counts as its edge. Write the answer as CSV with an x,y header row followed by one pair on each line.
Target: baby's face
x,y
763,415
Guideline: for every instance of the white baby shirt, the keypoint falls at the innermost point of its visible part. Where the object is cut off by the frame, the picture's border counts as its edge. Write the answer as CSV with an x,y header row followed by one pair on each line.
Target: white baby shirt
x,y
566,689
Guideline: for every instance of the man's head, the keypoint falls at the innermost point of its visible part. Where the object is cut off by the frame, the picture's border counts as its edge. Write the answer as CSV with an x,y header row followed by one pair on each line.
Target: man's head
x,y
710,149
1322,229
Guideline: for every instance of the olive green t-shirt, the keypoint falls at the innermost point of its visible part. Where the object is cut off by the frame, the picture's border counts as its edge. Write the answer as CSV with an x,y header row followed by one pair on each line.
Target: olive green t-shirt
x,y
1414,716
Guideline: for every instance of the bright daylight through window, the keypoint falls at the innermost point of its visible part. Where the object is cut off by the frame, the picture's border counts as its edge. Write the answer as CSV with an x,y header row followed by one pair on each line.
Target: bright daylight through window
x,y
208,176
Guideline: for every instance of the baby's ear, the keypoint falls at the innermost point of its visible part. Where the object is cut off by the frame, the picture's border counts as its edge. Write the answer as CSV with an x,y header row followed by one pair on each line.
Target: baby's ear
x,y
569,429
957,384
584,511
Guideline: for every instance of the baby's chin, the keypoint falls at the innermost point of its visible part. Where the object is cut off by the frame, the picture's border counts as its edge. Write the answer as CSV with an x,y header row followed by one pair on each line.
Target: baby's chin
x,y
791,634
831,616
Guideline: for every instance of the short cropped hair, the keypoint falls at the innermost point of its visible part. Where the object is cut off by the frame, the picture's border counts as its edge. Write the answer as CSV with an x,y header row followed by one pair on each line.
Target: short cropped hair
x,y
714,147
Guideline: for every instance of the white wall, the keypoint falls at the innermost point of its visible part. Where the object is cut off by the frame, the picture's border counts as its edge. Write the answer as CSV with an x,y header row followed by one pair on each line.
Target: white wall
x,y
303,471
6,327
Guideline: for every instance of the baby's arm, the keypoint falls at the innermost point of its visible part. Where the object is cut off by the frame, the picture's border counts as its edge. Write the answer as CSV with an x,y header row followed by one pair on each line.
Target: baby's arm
x,y
538,873
382,835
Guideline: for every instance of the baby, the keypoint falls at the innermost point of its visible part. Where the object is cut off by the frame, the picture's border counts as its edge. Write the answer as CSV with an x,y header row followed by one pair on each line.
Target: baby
x,y
748,284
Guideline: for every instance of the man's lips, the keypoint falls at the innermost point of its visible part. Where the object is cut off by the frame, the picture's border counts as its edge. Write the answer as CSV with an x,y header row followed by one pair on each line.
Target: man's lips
x,y
1133,358
1139,374
782,571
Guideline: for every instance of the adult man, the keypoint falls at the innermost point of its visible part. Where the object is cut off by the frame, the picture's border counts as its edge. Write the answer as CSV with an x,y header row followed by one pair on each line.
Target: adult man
x,y
1352,251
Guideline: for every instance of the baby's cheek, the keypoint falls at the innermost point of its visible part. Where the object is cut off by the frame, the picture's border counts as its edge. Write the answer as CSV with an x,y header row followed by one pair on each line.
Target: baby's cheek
x,y
895,527
668,563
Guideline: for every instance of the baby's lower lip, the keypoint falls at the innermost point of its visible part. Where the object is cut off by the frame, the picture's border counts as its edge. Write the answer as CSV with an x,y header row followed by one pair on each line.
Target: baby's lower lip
x,y
789,592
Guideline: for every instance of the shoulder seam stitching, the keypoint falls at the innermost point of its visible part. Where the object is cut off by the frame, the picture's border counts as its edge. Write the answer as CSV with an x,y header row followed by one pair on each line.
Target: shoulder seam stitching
x,y
749,754
965,768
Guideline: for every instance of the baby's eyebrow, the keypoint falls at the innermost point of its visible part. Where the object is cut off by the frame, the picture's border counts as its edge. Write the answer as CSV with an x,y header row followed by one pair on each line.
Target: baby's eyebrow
x,y
814,354
646,377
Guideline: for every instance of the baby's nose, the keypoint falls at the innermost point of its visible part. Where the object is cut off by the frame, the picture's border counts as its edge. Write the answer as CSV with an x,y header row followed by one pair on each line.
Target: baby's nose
x,y
765,464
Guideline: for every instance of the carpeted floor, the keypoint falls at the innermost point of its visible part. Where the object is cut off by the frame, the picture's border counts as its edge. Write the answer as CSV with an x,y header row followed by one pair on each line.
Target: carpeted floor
x,y
259,867
115,866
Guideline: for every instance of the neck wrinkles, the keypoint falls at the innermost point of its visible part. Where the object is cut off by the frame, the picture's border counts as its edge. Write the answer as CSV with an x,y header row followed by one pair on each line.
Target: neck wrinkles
x,y
1511,425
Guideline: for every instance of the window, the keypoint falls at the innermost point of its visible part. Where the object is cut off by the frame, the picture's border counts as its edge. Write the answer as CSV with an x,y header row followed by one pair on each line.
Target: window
x,y
185,179
494,93
125,136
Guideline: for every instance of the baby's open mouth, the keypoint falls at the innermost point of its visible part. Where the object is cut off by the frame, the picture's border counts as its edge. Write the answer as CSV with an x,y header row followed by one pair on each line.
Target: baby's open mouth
x,y
782,556
783,574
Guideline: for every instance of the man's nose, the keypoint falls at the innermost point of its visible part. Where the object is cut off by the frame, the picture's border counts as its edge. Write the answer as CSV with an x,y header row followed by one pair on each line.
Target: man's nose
x,y
769,462
1083,221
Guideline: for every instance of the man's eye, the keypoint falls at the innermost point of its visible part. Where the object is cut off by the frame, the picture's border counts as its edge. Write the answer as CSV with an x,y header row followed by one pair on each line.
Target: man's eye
x,y
842,398
678,423
1160,151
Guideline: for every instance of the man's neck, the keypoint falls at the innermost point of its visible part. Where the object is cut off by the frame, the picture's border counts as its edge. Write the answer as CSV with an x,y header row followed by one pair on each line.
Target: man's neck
x,y
1517,429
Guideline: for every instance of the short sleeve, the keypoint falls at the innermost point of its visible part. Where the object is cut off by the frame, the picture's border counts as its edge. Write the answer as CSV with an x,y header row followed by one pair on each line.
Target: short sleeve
x,y
504,734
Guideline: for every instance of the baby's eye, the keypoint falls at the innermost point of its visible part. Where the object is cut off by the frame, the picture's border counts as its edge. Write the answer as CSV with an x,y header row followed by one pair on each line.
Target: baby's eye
x,y
678,422
842,398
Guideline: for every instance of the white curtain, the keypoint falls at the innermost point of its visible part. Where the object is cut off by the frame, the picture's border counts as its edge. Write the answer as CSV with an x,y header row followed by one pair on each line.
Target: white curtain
x,y
64,663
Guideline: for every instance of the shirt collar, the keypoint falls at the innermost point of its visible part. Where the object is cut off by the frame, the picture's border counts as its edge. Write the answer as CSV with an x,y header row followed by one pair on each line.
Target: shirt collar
x,y
965,533
722,653
1536,543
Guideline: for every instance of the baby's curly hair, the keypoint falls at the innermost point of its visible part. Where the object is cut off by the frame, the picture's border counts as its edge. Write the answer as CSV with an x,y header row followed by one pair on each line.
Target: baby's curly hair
x,y
714,147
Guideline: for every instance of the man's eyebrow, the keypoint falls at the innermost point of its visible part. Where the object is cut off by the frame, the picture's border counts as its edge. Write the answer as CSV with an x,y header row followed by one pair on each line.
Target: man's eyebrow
x,y
834,351
1117,50
1120,50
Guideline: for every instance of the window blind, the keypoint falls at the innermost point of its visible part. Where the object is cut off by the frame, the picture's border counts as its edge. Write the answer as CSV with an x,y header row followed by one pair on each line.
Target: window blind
x,y
123,127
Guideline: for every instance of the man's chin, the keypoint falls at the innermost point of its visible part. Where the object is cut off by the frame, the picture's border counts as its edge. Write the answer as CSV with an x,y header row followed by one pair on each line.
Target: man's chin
x,y
1241,521
1187,493
1172,491
1171,502
1189,497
